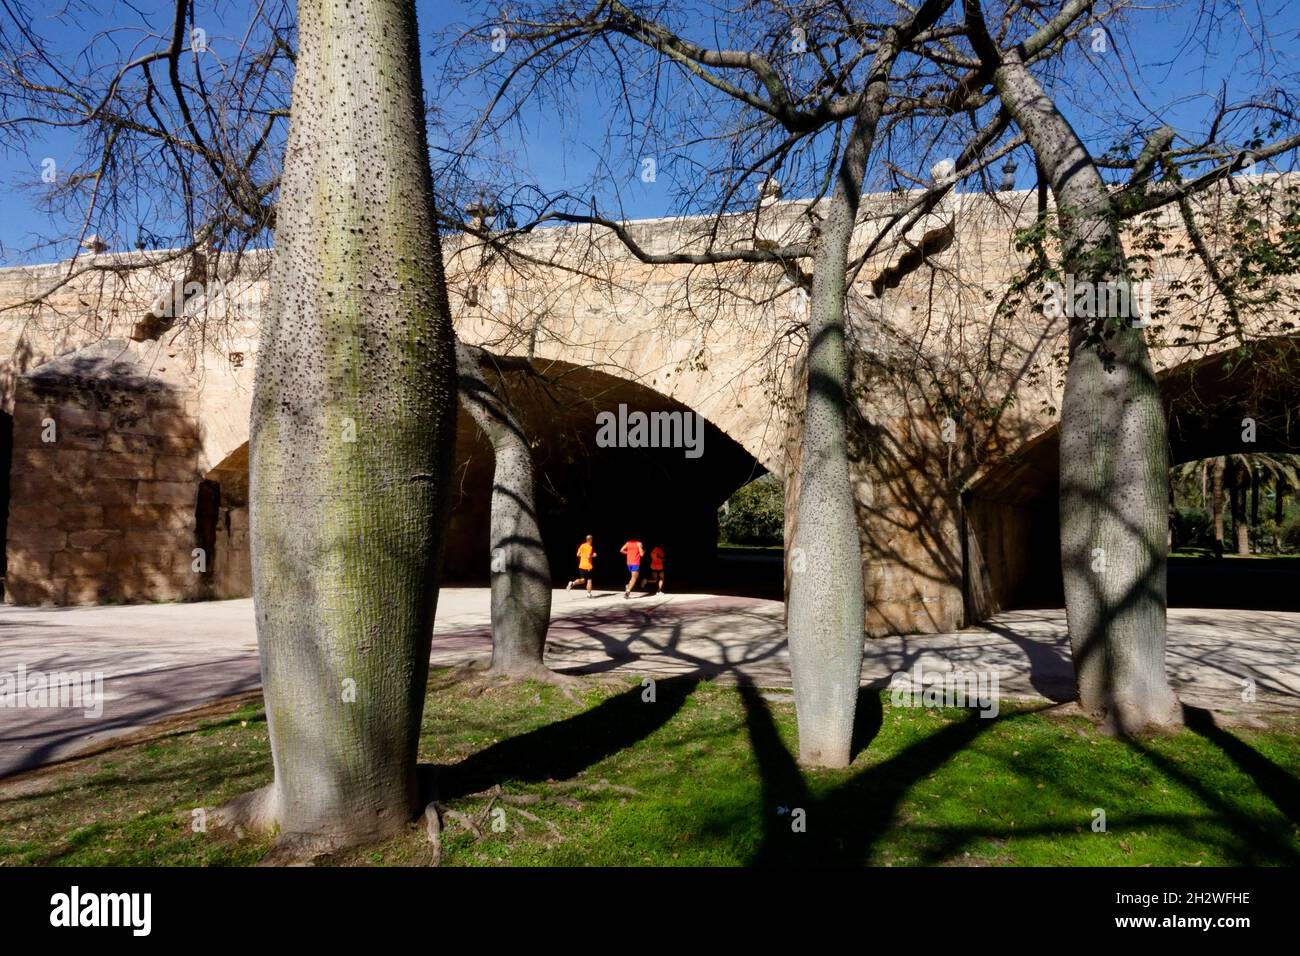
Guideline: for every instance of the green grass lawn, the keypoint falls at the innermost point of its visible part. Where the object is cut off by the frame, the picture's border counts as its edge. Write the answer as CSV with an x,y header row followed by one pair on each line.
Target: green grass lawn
x,y
1208,554
704,776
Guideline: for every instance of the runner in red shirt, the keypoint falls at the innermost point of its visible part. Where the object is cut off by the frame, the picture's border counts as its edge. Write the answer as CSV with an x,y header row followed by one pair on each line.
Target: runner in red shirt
x,y
633,549
657,568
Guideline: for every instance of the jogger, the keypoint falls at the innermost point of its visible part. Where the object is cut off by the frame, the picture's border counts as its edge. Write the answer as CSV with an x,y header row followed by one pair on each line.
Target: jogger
x,y
633,549
586,552
657,568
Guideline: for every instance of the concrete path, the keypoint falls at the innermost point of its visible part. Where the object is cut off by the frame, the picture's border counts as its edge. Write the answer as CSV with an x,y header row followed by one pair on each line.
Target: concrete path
x,y
161,659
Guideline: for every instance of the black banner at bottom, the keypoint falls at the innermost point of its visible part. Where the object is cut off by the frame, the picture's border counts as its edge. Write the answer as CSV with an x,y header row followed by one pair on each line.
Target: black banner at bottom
x,y
208,907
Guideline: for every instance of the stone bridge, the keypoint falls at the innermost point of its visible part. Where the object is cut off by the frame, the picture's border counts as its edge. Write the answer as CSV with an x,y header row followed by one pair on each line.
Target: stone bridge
x,y
124,434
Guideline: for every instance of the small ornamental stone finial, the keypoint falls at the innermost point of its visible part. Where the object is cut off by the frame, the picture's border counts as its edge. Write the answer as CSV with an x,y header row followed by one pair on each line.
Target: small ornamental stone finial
x,y
942,169
1008,176
481,213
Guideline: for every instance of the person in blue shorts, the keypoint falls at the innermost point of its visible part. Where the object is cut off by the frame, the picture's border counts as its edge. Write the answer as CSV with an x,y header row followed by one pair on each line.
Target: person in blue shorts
x,y
633,550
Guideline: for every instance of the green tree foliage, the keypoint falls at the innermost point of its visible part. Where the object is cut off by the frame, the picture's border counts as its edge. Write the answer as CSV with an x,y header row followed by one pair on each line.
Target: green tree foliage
x,y
755,514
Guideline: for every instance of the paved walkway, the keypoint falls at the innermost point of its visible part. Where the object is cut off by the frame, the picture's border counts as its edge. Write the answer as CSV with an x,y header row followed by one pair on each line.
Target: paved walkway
x,y
158,660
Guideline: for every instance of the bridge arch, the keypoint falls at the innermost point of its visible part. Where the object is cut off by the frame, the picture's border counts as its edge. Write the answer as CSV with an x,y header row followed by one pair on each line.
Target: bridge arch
x,y
666,495
1234,401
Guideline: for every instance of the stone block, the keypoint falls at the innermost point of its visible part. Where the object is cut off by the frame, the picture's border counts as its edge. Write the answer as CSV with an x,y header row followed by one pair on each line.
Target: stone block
x,y
88,438
91,540
111,491
80,517
166,493
79,563
26,562
112,465
32,514
34,591
131,444
90,590
149,517
176,468
153,547
70,417
45,489
149,585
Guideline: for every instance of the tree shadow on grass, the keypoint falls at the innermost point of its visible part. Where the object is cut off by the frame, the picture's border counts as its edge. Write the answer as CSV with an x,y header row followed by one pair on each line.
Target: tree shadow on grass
x,y
1261,839
564,749
842,826
868,718
1274,782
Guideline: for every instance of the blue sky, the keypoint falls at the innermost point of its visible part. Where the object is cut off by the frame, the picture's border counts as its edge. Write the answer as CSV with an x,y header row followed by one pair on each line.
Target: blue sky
x,y
557,146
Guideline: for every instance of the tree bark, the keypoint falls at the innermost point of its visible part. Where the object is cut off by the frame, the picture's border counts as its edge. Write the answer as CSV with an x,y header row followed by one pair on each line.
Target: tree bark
x,y
825,610
1217,486
1237,495
353,431
1254,496
1114,450
521,575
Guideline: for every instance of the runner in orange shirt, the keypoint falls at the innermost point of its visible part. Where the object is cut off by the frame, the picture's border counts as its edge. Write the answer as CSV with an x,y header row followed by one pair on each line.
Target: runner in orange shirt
x,y
586,551
657,568
634,550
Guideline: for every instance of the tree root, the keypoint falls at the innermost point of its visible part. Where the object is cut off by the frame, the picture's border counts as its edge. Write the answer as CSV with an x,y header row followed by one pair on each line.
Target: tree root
x,y
555,831
254,812
476,677
477,823
433,829
1125,717
543,675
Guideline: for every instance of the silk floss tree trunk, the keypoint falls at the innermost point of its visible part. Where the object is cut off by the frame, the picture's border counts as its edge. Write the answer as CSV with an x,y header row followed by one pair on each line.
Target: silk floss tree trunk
x,y
826,601
353,429
1114,449
520,572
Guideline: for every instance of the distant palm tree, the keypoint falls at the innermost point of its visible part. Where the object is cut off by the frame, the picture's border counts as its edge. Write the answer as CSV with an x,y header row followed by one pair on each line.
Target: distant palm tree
x,y
1239,476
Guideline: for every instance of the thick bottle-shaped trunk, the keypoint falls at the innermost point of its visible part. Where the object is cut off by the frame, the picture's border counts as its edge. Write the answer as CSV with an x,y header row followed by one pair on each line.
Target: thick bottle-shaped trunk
x,y
1114,450
826,600
353,428
826,603
521,575
1113,534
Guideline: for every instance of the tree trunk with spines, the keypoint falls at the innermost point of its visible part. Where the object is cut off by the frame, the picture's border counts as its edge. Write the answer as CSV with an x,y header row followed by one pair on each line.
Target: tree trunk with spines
x,y
353,432
826,600
521,574
1114,448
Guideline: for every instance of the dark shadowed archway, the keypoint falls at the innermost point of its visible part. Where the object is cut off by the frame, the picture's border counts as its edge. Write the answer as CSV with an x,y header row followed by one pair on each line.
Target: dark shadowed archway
x,y
1239,401
661,495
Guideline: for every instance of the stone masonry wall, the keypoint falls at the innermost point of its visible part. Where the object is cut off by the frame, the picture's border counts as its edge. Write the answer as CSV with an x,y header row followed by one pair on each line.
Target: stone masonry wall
x,y
104,480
